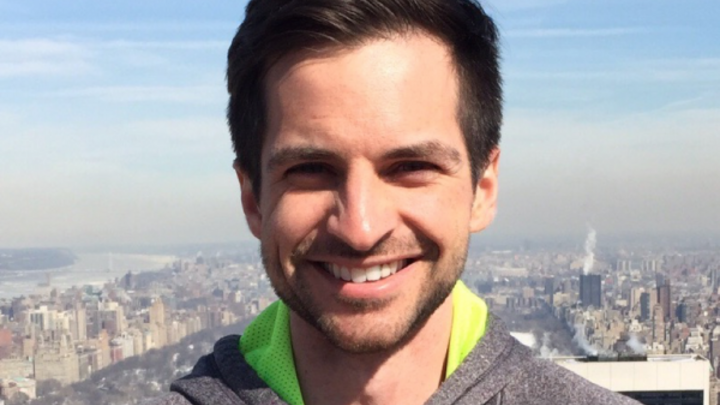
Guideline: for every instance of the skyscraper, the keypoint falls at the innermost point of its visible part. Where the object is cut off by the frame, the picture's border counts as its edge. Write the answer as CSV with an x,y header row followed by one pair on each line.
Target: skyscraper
x,y
635,295
665,299
79,329
591,290
658,323
645,306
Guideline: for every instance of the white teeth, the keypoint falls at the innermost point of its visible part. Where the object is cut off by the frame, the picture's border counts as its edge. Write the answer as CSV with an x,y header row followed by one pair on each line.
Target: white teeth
x,y
386,270
359,275
373,273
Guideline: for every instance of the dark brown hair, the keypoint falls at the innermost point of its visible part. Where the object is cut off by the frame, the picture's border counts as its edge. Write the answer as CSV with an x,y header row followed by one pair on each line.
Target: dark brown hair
x,y
275,28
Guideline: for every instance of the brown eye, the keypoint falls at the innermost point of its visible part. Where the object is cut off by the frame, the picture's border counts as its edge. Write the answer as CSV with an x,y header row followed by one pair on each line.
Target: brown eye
x,y
310,176
308,169
415,166
414,173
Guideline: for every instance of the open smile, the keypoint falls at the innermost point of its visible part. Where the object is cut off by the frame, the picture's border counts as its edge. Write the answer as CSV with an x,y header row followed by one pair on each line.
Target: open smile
x,y
359,275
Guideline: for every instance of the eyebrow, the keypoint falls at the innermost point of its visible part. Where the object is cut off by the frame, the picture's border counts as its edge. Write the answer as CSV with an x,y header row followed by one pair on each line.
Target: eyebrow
x,y
424,150
284,156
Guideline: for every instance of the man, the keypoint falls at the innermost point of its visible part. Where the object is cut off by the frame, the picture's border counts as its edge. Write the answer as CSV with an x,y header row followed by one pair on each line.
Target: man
x,y
366,134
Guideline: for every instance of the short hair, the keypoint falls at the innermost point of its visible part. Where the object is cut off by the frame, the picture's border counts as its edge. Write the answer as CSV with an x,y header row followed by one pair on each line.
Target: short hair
x,y
275,28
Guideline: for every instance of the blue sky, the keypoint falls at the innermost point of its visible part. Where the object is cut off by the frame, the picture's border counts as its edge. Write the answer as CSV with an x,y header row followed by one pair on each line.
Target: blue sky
x,y
112,120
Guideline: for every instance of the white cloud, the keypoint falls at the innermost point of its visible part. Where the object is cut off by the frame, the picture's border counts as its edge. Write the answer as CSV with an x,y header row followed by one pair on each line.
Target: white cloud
x,y
166,45
520,5
572,32
200,94
82,149
73,56
684,69
32,57
194,131
25,48
115,27
635,71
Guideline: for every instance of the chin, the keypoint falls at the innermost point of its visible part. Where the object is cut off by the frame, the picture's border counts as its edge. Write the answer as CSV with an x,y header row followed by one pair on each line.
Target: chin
x,y
364,337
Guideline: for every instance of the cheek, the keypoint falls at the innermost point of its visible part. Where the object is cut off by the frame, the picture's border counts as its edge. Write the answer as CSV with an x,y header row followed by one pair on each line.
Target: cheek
x,y
441,215
294,217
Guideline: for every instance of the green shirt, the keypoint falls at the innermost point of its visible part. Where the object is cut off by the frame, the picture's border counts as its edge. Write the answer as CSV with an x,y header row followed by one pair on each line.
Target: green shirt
x,y
267,347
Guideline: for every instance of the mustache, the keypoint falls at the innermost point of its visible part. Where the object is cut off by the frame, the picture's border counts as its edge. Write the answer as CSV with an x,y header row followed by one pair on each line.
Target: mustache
x,y
330,245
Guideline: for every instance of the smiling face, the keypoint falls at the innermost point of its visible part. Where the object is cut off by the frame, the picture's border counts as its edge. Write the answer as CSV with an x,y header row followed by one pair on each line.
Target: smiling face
x,y
366,201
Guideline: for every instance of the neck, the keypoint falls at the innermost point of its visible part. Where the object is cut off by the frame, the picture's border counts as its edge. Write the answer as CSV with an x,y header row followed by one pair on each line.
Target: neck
x,y
409,374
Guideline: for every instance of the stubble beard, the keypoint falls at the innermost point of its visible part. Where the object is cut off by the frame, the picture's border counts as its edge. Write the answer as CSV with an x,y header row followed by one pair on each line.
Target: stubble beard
x,y
299,297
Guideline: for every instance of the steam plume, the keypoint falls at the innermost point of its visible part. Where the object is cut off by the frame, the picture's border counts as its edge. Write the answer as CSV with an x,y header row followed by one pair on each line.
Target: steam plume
x,y
581,340
590,242
635,345
545,351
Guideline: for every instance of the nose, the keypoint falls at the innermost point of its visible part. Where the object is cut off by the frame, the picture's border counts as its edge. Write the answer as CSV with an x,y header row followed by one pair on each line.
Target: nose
x,y
365,212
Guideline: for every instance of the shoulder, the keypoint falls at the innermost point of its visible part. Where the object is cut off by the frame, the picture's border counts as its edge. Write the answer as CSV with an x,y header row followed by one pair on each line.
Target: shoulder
x,y
222,377
501,371
172,398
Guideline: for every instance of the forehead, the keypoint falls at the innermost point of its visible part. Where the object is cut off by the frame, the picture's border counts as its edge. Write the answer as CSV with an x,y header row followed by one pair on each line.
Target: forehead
x,y
383,92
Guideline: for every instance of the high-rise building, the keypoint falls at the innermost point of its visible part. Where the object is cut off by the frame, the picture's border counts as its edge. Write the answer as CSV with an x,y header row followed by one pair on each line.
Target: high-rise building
x,y
665,299
79,324
44,318
550,290
157,313
129,280
658,323
650,265
59,363
623,265
591,290
645,306
659,279
635,295
112,317
549,285
681,312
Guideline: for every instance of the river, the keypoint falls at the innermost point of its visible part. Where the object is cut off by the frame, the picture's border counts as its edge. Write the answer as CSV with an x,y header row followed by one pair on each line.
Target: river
x,y
89,269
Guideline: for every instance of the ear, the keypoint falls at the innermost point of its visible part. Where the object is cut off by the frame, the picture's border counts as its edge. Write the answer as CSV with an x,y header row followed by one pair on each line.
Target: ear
x,y
485,201
253,216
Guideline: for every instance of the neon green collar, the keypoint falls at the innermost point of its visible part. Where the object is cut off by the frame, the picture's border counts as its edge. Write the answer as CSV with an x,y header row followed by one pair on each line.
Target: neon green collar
x,y
470,314
267,347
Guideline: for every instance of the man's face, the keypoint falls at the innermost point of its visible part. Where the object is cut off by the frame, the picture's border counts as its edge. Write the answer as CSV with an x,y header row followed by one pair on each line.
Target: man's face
x,y
366,201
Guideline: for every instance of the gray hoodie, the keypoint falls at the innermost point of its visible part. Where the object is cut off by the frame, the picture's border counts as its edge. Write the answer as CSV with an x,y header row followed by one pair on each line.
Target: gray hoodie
x,y
498,371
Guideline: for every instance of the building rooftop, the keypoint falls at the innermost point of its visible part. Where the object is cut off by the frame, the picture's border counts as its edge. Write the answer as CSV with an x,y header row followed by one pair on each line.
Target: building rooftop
x,y
631,358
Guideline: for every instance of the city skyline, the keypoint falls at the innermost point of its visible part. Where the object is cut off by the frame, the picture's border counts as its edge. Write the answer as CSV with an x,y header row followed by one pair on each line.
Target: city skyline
x,y
113,128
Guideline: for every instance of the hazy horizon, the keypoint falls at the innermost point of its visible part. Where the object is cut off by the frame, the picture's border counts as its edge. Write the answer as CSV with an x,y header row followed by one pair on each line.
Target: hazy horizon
x,y
113,128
